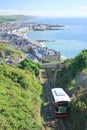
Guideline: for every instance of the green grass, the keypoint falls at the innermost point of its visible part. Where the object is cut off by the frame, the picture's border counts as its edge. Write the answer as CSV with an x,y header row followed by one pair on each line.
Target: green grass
x,y
6,50
20,100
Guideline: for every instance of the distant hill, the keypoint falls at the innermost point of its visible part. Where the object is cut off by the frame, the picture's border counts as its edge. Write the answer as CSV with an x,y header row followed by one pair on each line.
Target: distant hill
x,y
10,18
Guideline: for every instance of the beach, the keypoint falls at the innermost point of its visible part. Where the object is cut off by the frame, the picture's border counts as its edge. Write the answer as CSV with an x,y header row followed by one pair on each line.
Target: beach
x,y
23,34
34,42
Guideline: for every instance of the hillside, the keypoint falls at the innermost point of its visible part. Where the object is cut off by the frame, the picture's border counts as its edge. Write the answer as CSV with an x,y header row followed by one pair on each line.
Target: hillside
x,y
11,18
21,91
20,99
9,54
73,78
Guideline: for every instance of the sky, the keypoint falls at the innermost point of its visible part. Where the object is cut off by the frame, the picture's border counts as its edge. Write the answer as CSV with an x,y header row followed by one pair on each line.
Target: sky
x,y
50,8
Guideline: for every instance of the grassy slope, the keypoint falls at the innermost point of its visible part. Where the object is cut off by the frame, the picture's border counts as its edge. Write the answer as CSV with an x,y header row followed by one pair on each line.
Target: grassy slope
x,y
8,51
20,93
66,78
19,99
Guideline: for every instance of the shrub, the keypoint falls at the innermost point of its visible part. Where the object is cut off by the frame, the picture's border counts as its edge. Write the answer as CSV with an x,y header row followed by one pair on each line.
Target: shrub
x,y
79,63
30,66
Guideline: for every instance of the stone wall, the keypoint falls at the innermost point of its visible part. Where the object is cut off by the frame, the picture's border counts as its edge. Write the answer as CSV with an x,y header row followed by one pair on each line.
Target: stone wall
x,y
53,57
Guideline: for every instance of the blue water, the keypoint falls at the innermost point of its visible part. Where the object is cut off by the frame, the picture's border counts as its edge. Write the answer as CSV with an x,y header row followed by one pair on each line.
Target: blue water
x,y
70,41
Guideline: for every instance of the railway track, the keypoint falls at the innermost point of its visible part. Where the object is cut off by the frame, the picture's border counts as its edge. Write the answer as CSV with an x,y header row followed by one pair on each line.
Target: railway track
x,y
67,124
48,106
49,110
63,124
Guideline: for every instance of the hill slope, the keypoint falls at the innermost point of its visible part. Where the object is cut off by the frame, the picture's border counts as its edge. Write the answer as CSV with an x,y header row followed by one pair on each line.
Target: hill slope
x,y
73,78
19,99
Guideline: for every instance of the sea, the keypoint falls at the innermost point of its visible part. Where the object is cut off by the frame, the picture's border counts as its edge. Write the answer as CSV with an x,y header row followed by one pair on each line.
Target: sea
x,y
69,41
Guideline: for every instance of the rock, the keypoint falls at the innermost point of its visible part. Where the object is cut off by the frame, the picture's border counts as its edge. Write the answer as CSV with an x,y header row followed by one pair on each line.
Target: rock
x,y
81,80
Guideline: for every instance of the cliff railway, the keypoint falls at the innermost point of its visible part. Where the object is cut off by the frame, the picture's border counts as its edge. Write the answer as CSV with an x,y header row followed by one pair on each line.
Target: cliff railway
x,y
48,109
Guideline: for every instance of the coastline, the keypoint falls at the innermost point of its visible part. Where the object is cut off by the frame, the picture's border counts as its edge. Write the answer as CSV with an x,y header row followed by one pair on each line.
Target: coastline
x,y
40,44
34,42
69,41
24,35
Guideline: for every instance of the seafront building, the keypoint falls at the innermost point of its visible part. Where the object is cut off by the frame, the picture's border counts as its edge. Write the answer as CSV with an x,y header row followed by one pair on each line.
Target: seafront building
x,y
51,57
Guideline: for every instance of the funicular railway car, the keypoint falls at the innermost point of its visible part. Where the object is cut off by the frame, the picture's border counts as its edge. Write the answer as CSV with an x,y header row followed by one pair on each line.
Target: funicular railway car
x,y
62,102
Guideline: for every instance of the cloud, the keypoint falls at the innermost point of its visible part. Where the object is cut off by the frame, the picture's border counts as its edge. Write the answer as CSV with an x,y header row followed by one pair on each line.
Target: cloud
x,y
58,13
35,13
7,12
83,7
15,12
